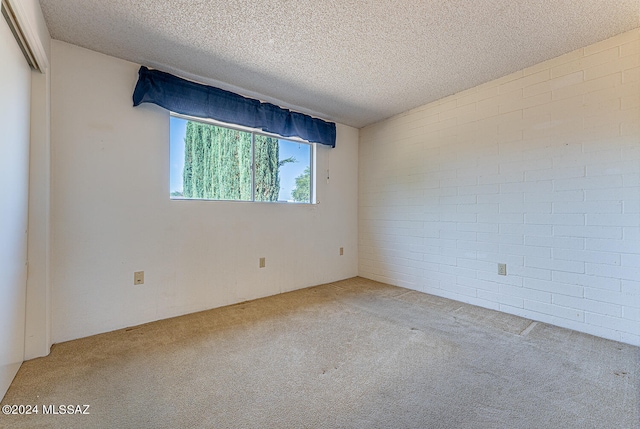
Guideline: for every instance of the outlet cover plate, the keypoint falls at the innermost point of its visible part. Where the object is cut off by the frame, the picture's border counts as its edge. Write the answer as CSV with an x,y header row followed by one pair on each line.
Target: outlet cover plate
x,y
502,269
138,278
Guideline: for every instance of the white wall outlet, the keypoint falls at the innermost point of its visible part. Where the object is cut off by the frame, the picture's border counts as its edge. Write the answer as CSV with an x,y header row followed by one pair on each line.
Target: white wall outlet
x,y
138,278
263,262
502,269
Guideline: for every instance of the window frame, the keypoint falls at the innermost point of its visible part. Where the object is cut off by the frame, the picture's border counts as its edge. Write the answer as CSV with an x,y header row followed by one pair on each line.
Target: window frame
x,y
254,132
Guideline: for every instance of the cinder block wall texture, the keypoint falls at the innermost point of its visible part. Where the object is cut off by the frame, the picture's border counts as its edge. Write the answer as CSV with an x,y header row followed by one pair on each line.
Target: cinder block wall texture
x,y
539,170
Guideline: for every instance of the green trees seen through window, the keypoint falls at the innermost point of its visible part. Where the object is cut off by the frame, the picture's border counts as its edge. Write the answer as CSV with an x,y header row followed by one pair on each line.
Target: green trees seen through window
x,y
218,165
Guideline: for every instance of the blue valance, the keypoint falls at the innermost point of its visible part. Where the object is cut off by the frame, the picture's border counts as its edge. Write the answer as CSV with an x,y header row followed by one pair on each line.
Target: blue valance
x,y
194,99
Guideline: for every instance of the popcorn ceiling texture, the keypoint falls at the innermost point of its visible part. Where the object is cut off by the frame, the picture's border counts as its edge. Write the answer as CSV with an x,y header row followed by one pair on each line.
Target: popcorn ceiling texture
x,y
346,61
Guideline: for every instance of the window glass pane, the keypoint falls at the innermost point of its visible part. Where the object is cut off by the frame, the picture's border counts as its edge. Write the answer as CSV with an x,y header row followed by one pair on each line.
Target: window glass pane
x,y
295,172
215,162
177,127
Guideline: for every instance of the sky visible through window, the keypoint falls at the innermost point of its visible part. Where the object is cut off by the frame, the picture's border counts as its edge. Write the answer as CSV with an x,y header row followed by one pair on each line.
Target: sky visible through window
x,y
288,149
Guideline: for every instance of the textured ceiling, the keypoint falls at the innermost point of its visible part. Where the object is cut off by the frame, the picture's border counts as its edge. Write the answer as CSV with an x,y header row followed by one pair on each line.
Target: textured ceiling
x,y
350,61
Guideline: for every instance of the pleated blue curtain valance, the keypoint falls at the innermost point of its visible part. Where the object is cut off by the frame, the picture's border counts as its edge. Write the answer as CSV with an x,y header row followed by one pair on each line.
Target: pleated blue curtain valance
x,y
202,101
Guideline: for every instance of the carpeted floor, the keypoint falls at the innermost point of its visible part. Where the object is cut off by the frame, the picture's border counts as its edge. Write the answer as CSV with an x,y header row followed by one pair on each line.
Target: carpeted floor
x,y
350,354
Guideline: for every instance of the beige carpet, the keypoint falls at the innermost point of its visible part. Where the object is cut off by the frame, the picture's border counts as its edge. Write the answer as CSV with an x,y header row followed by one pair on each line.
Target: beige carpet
x,y
350,354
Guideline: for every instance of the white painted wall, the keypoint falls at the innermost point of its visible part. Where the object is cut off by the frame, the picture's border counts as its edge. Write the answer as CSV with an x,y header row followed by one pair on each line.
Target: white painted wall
x,y
539,170
111,214
37,317
15,81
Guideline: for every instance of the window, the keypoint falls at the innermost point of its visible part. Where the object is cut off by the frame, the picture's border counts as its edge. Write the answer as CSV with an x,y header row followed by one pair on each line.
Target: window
x,y
211,161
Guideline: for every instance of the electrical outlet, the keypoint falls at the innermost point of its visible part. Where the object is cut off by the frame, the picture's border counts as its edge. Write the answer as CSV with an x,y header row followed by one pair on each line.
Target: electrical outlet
x,y
263,262
341,251
138,278
502,269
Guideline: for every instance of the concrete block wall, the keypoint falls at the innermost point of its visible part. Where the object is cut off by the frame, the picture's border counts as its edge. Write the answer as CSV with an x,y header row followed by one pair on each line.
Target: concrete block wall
x,y
540,170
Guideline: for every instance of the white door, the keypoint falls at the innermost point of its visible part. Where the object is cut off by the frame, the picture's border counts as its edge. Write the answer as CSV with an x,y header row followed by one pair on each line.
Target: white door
x,y
15,84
